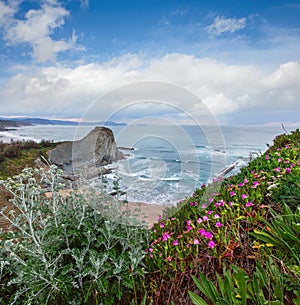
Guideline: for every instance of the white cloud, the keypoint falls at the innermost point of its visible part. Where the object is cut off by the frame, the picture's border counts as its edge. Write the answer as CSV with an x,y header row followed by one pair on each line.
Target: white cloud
x,y
225,89
84,3
37,28
222,25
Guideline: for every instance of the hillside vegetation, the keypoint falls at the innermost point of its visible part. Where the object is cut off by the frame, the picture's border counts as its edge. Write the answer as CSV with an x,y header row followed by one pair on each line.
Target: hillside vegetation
x,y
236,241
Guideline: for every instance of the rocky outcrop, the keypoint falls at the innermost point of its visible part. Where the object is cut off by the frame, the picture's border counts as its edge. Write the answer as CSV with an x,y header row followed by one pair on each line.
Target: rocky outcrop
x,y
96,149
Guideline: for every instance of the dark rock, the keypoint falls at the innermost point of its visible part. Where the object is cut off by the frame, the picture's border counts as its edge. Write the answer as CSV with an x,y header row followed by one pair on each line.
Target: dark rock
x,y
96,149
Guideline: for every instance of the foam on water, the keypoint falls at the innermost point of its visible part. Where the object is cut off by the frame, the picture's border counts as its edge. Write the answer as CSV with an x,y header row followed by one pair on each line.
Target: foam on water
x,y
166,168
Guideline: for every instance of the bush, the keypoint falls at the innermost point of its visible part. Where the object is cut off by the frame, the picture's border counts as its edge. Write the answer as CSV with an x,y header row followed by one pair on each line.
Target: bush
x,y
81,248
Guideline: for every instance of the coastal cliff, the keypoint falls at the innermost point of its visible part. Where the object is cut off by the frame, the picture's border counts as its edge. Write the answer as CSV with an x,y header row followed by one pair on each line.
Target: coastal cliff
x,y
96,149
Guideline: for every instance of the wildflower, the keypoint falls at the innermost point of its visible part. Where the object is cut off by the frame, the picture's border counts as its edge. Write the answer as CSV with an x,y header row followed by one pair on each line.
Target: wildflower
x,y
202,232
203,185
279,160
205,218
210,200
244,196
246,180
175,242
222,202
267,157
162,224
230,203
272,186
189,228
278,149
249,204
193,204
169,258
196,241
150,250
151,255
188,222
199,220
208,235
241,184
293,165
219,224
211,244
216,216
232,193
203,206
209,212
188,245
255,184
165,236
160,254
277,169
288,170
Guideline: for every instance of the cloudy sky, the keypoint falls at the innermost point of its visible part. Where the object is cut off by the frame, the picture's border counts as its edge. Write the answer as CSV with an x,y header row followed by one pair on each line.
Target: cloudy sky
x,y
67,58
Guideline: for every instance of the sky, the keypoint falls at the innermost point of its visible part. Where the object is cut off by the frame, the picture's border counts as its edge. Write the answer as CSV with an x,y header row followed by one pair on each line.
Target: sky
x,y
236,61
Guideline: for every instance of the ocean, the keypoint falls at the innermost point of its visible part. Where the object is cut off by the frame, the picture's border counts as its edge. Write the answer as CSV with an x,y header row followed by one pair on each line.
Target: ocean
x,y
167,163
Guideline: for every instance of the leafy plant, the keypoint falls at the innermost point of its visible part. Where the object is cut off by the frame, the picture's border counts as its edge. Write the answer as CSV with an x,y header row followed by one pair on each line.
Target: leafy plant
x,y
236,287
77,248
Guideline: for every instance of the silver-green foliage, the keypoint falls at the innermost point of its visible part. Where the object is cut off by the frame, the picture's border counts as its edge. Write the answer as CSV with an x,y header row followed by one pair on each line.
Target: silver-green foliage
x,y
80,248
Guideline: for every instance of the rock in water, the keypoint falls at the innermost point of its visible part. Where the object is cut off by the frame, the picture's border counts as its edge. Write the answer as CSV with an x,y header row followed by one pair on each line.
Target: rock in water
x,y
96,149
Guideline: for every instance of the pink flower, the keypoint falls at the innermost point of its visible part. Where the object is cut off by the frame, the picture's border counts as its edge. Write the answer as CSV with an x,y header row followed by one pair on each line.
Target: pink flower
x,y
169,258
211,244
175,242
277,169
150,250
150,254
287,146
255,184
208,235
203,206
165,236
209,212
196,241
244,196
199,220
241,184
232,194
222,202
162,224
230,204
279,160
189,228
288,170
202,232
278,149
218,224
216,216
249,204
245,180
188,222
210,200
205,218
267,157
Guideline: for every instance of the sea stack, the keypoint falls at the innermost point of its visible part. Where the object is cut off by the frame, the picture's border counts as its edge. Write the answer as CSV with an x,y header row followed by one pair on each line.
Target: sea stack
x,y
96,149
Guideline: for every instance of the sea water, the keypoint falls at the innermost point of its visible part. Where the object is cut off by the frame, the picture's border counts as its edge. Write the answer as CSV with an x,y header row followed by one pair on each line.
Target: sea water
x,y
167,163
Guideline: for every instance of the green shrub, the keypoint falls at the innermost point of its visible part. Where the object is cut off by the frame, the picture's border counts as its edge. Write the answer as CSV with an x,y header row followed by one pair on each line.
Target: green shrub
x,y
81,248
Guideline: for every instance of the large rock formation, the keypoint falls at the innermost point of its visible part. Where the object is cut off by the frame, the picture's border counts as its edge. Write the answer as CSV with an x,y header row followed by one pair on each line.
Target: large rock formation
x,y
96,149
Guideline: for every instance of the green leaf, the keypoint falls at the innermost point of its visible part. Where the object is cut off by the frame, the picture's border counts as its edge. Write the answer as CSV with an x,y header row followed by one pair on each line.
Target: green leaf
x,y
197,300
